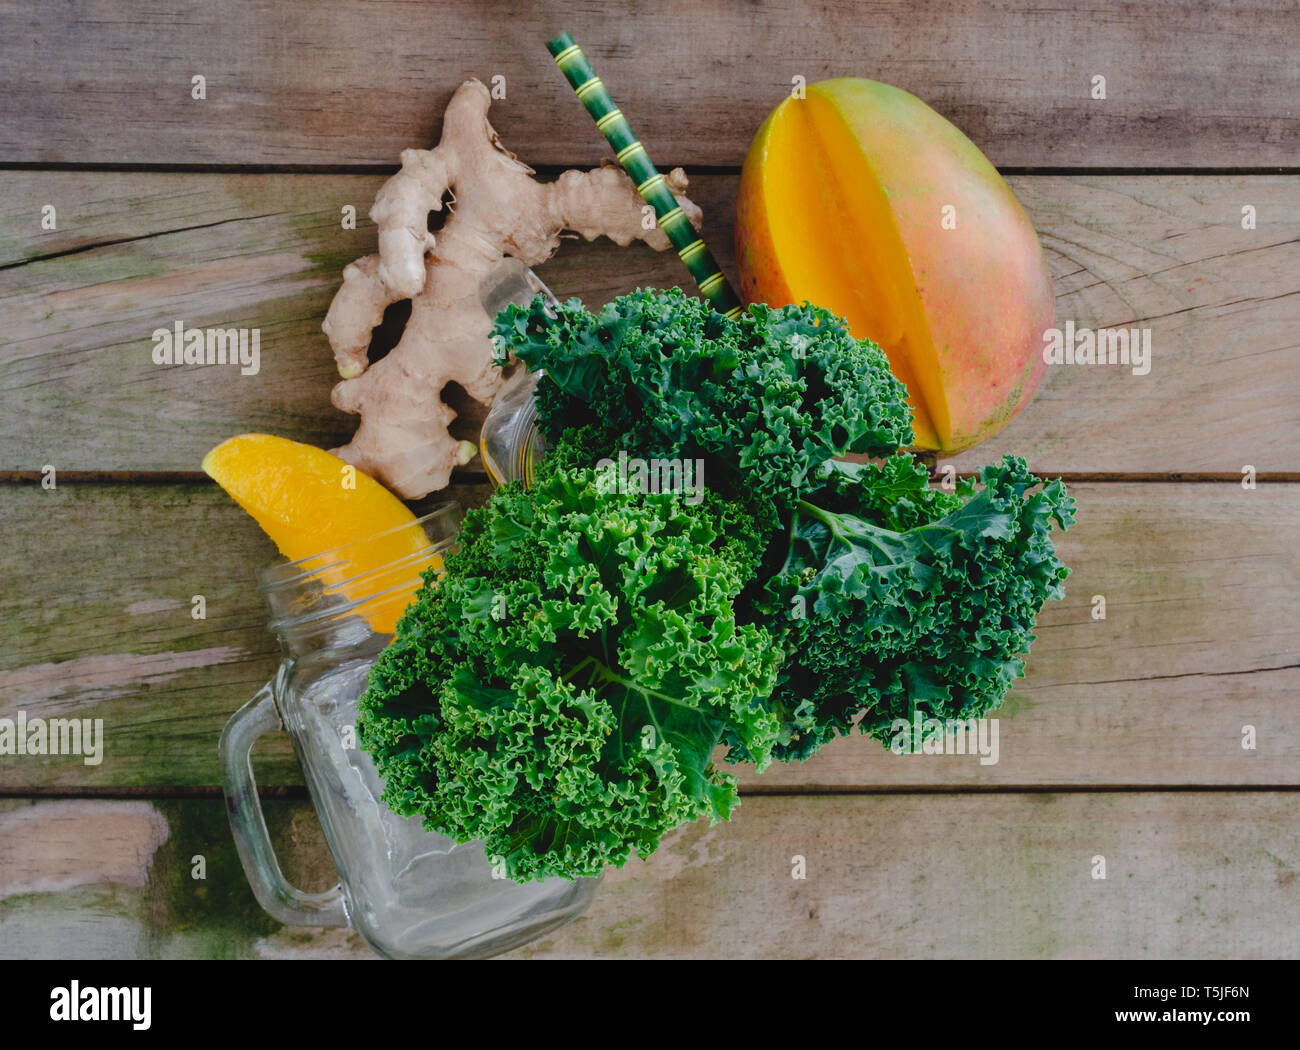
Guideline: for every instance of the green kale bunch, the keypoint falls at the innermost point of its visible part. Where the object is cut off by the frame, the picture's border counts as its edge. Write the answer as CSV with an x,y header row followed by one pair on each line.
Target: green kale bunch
x,y
894,599
764,400
560,691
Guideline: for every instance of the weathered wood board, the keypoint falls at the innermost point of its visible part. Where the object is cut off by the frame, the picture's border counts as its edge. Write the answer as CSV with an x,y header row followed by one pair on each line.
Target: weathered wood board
x,y
111,879
135,252
1198,641
1196,874
300,83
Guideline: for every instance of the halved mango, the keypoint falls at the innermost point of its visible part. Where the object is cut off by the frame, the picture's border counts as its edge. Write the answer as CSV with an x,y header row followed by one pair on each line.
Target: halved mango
x,y
862,199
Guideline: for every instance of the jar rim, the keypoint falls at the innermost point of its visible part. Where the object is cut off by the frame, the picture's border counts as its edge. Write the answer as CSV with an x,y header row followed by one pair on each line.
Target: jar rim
x,y
441,525
341,589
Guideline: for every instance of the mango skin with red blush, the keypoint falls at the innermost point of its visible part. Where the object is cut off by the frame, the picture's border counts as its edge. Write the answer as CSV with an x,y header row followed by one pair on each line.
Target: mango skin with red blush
x,y
861,198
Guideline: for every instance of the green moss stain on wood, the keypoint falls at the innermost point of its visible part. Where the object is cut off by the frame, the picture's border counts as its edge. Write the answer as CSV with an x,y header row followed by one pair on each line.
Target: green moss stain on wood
x,y
218,913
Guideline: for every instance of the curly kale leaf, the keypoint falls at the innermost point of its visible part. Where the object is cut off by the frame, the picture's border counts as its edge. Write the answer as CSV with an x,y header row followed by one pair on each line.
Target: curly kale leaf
x,y
894,494
559,692
765,399
932,618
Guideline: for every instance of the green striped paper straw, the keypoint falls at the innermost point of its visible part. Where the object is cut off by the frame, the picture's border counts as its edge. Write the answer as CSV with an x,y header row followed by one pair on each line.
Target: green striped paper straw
x,y
649,183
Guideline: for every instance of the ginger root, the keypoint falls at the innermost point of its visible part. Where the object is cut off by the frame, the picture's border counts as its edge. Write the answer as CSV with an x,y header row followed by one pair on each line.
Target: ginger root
x,y
499,209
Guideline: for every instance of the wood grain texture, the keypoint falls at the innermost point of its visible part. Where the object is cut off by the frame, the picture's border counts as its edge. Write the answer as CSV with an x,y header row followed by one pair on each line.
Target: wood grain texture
x,y
1188,875
1199,640
137,252
104,628
140,879
334,83
1223,308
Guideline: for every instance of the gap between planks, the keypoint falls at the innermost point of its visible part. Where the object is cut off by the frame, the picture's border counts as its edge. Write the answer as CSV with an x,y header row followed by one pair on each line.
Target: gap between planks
x,y
551,171
299,792
189,477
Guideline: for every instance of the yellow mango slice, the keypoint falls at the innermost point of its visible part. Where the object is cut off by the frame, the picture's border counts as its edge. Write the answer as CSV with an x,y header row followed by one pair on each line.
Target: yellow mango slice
x,y
309,501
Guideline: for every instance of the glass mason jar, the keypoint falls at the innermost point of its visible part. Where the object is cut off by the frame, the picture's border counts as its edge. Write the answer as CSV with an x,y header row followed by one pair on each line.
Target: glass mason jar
x,y
510,442
410,893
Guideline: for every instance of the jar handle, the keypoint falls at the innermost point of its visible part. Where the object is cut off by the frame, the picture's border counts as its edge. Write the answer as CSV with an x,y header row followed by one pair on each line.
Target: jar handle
x,y
273,891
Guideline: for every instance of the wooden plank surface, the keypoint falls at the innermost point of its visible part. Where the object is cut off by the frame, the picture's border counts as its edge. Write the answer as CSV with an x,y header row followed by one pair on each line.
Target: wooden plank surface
x,y
1191,874
135,252
303,83
1199,640
113,879
133,654
308,105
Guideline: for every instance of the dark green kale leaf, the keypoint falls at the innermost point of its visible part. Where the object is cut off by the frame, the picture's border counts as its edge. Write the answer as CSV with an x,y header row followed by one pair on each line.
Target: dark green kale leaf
x,y
932,617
